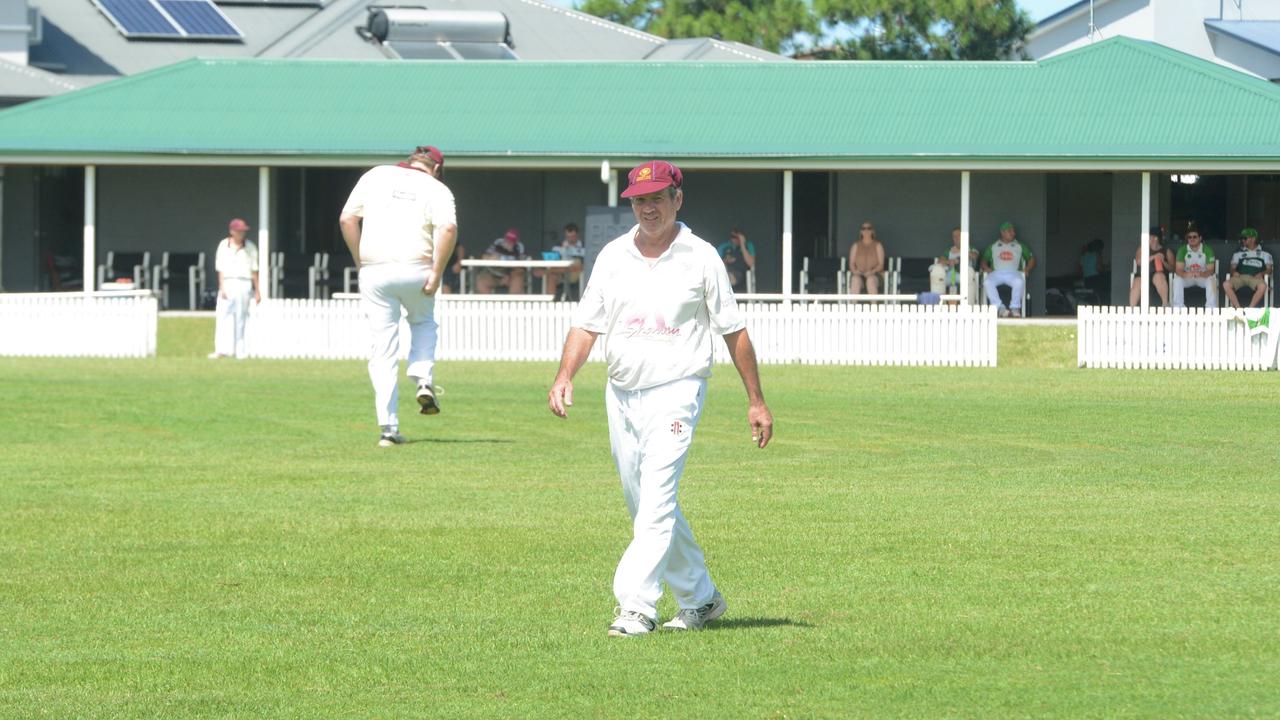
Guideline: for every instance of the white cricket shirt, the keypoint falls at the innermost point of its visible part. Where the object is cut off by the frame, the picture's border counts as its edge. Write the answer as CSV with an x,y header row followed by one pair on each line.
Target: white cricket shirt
x,y
401,207
241,262
658,321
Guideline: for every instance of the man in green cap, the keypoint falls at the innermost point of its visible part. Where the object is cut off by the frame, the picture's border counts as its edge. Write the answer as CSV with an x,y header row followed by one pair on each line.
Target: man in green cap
x,y
1251,267
1007,262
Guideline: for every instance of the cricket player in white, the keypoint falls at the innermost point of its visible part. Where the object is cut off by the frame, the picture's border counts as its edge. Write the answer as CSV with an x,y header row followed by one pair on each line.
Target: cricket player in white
x,y
236,262
401,225
657,294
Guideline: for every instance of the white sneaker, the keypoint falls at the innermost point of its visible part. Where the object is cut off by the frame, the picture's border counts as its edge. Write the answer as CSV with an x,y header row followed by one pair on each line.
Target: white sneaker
x,y
1004,313
390,439
631,623
696,618
427,401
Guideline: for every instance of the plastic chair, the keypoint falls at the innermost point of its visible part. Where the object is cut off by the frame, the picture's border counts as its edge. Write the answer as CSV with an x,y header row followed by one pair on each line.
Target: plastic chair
x,y
299,274
64,272
181,269
908,275
135,265
823,275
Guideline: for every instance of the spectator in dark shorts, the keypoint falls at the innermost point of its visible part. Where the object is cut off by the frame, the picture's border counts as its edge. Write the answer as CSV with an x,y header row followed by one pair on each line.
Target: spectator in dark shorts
x,y
507,247
1161,261
1250,268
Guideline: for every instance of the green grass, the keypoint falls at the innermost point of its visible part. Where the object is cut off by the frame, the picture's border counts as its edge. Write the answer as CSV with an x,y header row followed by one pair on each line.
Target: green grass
x,y
182,538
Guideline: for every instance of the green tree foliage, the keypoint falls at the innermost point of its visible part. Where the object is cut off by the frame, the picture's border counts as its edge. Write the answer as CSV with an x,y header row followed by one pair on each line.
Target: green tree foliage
x,y
837,29
924,29
772,25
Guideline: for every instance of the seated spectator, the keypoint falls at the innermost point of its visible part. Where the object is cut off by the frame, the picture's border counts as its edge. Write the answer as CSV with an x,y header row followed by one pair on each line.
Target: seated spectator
x,y
570,248
1160,262
866,261
1093,268
452,281
1195,266
507,247
1007,262
944,273
739,256
1250,267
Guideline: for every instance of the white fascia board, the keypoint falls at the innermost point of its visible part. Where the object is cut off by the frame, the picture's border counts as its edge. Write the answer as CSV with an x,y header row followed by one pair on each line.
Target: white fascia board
x,y
592,163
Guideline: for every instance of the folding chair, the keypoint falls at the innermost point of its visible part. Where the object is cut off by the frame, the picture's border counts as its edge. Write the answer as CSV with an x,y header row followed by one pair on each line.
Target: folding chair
x,y
299,275
909,276
823,276
337,271
135,265
64,272
183,270
1006,293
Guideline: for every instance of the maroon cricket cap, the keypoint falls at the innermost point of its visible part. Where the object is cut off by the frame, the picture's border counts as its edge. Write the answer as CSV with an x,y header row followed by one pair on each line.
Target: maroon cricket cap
x,y
513,235
432,152
237,224
652,176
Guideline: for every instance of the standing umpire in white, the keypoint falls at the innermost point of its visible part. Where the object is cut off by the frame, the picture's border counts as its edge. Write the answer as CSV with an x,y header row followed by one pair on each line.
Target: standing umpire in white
x,y
656,294
402,247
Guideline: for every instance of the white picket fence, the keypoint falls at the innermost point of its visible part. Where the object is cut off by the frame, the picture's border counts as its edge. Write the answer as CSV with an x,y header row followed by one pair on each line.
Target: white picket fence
x,y
1176,338
840,334
104,324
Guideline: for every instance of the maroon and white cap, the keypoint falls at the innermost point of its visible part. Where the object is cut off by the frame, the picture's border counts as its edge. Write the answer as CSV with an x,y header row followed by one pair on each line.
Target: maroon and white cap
x,y
652,176
432,152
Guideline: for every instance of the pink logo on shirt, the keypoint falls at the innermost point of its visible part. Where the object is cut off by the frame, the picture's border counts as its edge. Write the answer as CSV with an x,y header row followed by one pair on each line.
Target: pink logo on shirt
x,y
639,326
677,428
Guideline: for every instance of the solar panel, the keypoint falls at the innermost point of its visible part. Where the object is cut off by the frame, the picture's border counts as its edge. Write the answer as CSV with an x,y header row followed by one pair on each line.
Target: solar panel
x,y
138,18
169,19
277,3
200,19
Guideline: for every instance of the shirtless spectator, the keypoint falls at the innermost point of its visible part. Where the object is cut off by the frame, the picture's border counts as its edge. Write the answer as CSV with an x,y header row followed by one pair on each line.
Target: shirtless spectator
x,y
866,261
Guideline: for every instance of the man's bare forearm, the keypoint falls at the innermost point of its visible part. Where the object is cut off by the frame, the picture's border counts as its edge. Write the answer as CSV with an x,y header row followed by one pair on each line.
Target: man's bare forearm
x,y
350,225
577,347
446,238
744,359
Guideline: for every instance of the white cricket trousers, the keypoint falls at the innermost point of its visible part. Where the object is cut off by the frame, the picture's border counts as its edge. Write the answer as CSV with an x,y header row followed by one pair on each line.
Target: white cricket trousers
x,y
1017,283
231,313
1210,285
384,290
650,432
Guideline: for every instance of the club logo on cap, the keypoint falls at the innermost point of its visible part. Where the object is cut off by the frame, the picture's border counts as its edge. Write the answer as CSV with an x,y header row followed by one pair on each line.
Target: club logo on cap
x,y
652,176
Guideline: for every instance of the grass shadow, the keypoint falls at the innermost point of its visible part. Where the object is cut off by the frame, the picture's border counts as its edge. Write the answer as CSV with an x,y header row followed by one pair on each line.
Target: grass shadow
x,y
755,622
468,441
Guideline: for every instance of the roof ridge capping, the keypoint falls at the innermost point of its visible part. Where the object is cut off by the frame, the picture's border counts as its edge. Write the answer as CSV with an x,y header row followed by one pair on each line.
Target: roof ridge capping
x,y
1120,44
80,92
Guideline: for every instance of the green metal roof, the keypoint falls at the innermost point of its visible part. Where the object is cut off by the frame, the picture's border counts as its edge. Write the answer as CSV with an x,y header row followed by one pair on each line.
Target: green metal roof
x,y
1116,100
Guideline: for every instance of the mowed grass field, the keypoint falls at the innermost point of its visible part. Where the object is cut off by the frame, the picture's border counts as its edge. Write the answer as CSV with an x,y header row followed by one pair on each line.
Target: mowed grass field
x,y
181,538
